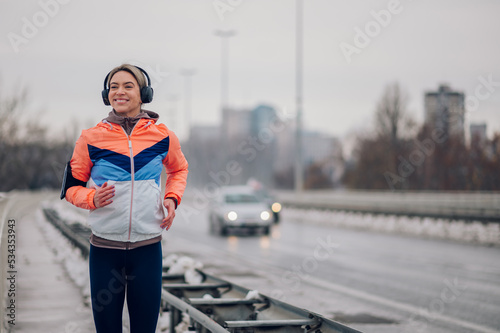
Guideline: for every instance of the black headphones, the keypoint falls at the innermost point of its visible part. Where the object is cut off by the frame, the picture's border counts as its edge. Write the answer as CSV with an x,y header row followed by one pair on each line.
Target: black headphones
x,y
146,91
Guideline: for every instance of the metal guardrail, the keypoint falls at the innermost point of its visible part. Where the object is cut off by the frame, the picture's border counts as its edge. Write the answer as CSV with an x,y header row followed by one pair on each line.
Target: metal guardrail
x,y
216,305
478,206
77,234
229,307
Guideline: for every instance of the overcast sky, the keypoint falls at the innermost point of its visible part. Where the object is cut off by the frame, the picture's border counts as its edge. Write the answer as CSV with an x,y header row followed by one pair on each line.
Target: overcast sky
x,y
61,50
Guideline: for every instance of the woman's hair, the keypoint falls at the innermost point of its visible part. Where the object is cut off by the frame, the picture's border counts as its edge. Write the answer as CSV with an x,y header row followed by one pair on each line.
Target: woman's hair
x,y
136,72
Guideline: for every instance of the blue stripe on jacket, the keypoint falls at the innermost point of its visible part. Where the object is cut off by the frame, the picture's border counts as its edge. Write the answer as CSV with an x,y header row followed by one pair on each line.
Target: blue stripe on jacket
x,y
110,165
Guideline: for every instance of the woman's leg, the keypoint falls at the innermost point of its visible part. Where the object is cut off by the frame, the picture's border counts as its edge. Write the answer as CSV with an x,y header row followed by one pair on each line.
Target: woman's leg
x,y
107,288
144,270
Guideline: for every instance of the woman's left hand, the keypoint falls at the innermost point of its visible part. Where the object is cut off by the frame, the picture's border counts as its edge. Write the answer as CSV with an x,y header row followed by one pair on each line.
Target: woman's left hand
x,y
170,206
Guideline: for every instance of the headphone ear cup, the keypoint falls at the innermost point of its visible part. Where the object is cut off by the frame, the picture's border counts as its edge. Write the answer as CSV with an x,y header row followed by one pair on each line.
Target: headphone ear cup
x,y
146,94
105,98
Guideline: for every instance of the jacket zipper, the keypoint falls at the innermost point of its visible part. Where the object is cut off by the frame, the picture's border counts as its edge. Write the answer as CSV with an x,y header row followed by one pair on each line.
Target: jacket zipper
x,y
132,179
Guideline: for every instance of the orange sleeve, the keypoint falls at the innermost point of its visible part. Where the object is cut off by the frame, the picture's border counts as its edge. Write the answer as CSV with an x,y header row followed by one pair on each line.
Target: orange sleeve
x,y
176,166
81,166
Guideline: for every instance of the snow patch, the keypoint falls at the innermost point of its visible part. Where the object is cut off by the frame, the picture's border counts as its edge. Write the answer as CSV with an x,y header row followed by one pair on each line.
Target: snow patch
x,y
170,260
187,266
66,254
459,230
67,212
163,323
183,326
253,294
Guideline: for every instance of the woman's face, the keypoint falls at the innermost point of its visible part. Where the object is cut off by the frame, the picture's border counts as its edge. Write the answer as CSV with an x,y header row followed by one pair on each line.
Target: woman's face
x,y
124,94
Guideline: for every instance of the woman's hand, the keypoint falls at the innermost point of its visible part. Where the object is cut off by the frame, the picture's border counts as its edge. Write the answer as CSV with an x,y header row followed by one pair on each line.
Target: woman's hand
x,y
103,195
170,206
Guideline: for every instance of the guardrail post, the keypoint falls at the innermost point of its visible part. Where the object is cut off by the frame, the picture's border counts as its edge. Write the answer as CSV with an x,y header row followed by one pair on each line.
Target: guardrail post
x,y
175,317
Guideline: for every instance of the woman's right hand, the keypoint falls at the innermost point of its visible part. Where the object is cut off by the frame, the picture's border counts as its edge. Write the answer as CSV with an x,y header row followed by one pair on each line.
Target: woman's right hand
x,y
103,195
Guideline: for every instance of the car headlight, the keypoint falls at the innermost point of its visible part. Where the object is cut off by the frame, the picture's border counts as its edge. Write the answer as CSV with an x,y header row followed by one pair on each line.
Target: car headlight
x,y
232,216
265,215
276,207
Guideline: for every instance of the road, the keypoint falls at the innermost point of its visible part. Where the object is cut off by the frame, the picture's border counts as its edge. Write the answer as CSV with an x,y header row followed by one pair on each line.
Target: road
x,y
373,282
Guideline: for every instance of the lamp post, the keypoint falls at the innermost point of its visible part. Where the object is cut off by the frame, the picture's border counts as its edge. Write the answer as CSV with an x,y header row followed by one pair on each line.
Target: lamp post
x,y
299,166
224,35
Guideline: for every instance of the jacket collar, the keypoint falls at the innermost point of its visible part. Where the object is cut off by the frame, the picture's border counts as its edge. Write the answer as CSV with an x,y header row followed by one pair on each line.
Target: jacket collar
x,y
128,123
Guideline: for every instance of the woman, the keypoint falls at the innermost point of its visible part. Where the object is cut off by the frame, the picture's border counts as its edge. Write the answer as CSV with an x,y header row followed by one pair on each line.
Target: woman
x,y
121,159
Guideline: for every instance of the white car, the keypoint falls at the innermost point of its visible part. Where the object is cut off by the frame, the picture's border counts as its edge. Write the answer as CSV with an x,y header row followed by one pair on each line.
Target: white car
x,y
237,207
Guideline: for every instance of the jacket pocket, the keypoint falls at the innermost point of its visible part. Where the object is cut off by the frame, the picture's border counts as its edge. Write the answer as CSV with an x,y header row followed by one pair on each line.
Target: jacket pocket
x,y
113,218
148,208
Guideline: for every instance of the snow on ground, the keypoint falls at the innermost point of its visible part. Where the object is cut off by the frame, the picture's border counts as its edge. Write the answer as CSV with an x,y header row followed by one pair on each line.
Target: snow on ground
x,y
69,256
184,265
67,211
458,230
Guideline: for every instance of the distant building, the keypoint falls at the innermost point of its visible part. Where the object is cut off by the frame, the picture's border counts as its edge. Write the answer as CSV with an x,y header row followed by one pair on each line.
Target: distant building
x,y
285,151
264,129
249,138
204,133
236,123
478,134
263,118
318,147
324,150
262,145
446,109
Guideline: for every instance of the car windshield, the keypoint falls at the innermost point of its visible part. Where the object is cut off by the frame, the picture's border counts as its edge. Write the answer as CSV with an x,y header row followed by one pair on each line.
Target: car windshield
x,y
263,194
241,198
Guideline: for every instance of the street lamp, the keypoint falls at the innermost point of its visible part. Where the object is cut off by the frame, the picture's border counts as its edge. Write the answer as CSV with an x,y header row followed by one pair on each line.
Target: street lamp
x,y
299,166
224,35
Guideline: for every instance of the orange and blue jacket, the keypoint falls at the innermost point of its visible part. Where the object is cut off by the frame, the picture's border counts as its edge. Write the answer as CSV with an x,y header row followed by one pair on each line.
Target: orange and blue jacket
x,y
133,164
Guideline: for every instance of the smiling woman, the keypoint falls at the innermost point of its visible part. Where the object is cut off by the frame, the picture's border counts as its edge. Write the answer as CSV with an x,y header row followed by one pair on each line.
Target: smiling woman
x,y
121,158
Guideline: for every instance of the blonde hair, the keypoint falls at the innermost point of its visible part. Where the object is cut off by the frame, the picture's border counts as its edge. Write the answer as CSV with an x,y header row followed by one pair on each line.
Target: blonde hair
x,y
136,73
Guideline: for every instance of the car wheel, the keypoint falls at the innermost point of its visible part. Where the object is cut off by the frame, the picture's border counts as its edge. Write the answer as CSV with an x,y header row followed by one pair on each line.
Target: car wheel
x,y
223,231
267,231
221,228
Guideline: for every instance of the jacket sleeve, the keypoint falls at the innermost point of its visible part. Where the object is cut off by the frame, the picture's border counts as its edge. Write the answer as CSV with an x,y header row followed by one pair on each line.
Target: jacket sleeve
x,y
176,166
81,166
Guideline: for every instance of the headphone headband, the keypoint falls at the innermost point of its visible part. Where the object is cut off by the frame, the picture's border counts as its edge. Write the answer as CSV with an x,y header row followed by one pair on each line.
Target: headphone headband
x,y
146,91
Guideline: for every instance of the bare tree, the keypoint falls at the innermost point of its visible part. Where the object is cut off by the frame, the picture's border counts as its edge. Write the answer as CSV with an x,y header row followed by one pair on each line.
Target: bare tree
x,y
391,117
377,155
10,106
28,159
399,158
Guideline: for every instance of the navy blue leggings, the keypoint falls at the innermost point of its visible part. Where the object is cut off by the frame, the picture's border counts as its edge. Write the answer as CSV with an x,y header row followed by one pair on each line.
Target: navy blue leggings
x,y
135,274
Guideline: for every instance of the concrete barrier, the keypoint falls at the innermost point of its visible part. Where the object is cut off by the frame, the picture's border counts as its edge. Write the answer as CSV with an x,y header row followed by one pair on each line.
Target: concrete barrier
x,y
477,206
